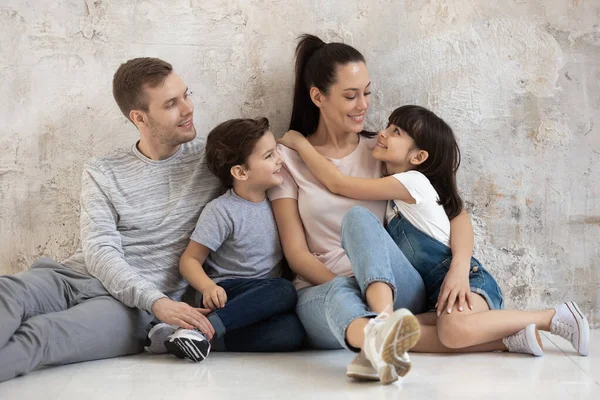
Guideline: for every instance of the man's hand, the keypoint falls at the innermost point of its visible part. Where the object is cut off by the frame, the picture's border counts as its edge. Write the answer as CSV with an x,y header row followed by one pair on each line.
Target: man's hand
x,y
214,297
293,139
455,288
183,315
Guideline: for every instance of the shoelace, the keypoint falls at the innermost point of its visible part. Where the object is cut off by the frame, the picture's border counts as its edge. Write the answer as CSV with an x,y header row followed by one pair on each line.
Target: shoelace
x,y
374,323
563,329
385,314
518,342
379,318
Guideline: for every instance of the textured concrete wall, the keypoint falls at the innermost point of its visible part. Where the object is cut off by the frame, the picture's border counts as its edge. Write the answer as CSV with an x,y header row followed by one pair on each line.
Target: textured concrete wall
x,y
518,80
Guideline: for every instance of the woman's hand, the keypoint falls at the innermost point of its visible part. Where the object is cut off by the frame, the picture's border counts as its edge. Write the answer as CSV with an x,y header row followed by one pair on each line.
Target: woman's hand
x,y
455,288
293,140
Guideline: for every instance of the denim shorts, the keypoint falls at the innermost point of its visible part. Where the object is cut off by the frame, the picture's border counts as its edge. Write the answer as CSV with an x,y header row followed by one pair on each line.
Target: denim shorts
x,y
431,258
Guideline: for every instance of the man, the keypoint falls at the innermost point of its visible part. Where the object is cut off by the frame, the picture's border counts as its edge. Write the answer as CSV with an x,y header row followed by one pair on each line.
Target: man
x,y
138,209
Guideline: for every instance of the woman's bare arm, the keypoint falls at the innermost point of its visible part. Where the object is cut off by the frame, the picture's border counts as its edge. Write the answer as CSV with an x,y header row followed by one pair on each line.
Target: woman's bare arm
x,y
293,241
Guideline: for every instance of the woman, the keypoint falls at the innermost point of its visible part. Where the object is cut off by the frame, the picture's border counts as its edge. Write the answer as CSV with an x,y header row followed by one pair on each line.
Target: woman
x,y
338,302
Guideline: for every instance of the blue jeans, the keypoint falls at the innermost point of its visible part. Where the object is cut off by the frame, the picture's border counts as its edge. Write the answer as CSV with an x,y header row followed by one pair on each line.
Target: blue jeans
x,y
326,310
258,316
432,259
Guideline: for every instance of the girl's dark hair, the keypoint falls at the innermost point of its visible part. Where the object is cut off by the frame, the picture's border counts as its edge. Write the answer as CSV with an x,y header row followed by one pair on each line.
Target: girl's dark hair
x,y
433,135
231,143
316,64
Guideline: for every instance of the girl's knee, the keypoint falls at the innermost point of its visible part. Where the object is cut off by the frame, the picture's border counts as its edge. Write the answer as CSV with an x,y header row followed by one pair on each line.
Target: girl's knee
x,y
453,333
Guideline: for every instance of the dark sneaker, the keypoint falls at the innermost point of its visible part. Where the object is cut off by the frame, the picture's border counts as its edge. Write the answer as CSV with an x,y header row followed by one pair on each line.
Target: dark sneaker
x,y
188,343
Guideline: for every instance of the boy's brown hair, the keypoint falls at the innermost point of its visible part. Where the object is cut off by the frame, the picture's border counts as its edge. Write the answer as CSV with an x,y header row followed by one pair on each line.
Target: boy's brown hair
x,y
231,143
131,78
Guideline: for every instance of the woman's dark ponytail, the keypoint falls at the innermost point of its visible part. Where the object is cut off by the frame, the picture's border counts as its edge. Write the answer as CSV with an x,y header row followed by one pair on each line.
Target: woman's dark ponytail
x,y
316,65
305,114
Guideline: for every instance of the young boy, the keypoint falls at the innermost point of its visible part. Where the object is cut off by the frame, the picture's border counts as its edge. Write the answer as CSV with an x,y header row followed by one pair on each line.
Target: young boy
x,y
234,256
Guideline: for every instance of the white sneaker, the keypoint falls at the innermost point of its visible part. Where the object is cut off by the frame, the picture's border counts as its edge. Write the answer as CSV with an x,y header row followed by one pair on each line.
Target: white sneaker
x,y
570,323
157,335
188,343
387,339
526,341
361,369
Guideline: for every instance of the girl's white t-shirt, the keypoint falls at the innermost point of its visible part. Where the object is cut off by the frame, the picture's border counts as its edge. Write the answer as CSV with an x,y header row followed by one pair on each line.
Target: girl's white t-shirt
x,y
426,214
321,211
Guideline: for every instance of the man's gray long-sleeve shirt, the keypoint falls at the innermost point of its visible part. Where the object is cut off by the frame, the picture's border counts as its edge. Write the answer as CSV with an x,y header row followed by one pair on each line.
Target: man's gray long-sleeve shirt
x,y
137,216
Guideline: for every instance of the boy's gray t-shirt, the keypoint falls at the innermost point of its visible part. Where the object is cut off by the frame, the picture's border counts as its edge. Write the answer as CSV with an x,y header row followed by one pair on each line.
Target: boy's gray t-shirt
x,y
242,237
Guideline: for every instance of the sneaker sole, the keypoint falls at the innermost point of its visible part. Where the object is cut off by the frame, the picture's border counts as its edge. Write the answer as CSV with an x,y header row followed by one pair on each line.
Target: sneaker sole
x,y
584,328
534,339
403,336
182,346
362,376
386,375
402,368
389,374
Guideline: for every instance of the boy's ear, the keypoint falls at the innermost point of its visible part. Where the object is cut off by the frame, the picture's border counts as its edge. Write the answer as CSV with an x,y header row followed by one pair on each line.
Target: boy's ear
x,y
238,172
316,96
419,158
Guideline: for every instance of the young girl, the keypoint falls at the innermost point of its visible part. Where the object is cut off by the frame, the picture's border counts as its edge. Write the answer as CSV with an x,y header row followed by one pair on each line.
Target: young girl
x,y
421,158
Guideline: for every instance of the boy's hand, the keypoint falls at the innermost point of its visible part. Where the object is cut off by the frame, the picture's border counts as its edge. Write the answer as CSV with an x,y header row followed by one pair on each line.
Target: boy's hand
x,y
214,297
292,139
455,289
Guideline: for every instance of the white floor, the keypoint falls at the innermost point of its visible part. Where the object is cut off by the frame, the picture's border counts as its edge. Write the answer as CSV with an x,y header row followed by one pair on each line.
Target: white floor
x,y
559,374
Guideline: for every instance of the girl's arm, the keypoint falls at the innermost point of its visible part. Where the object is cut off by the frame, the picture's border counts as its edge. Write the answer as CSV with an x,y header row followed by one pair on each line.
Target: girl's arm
x,y
455,289
388,188
461,240
293,241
